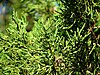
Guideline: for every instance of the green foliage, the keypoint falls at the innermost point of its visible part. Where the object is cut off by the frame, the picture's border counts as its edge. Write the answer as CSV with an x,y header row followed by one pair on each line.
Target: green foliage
x,y
78,30
62,41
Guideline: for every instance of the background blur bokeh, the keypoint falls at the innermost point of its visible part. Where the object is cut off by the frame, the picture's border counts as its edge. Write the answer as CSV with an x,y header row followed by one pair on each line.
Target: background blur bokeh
x,y
6,7
5,11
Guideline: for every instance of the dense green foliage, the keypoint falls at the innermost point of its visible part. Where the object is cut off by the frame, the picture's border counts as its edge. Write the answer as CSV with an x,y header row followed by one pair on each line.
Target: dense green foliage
x,y
52,38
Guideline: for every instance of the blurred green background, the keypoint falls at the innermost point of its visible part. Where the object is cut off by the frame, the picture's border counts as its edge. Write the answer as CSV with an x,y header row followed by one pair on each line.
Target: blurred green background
x,y
42,7
5,11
